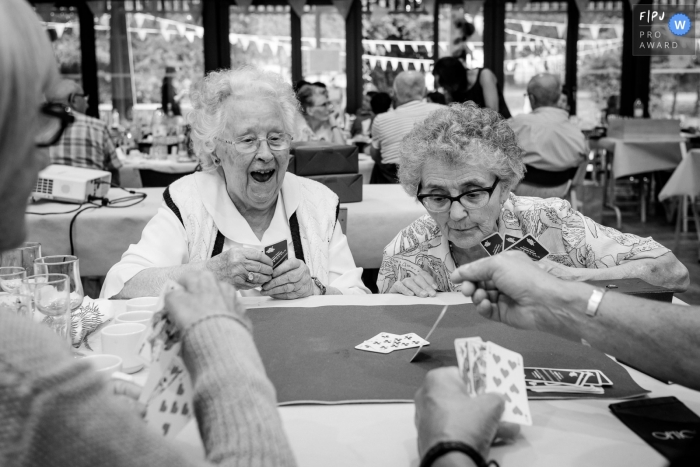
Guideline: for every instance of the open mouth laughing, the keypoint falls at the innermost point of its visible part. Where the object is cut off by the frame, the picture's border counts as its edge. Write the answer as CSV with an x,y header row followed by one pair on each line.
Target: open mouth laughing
x,y
262,176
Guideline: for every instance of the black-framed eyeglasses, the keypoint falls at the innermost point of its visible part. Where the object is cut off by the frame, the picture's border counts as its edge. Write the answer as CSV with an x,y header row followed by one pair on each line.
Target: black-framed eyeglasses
x,y
249,144
471,199
53,120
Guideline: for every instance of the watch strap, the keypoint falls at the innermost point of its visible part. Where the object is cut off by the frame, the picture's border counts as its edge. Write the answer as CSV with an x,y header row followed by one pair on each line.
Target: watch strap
x,y
320,285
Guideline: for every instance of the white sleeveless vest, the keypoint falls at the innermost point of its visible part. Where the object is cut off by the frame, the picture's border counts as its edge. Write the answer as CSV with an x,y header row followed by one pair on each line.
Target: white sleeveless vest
x,y
316,215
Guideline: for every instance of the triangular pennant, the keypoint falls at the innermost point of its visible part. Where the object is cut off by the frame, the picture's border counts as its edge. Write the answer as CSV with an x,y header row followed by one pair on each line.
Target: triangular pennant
x,y
401,46
372,62
297,6
394,63
343,7
199,31
244,4
527,26
595,30
259,44
372,46
520,4
139,18
232,39
274,47
472,7
582,5
181,28
142,33
59,27
244,41
190,36
618,30
560,29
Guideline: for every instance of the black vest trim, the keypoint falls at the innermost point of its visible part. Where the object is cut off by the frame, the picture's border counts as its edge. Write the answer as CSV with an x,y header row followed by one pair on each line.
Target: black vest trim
x,y
296,238
171,204
218,244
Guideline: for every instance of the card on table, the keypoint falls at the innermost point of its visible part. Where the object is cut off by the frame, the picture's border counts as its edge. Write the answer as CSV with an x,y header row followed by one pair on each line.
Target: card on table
x,y
488,367
277,252
385,342
566,380
493,244
531,247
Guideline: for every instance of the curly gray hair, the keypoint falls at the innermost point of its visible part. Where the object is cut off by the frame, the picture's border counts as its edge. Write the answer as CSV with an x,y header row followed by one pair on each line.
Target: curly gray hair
x,y
208,117
461,134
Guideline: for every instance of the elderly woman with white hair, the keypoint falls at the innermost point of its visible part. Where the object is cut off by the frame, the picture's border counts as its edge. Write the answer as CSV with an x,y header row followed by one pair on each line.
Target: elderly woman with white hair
x,y
461,164
224,218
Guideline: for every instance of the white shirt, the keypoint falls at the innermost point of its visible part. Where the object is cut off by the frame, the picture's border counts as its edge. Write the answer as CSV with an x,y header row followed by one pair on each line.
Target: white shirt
x,y
164,240
549,140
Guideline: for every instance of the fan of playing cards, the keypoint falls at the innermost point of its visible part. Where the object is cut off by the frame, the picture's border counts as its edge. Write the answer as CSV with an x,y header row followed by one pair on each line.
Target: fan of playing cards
x,y
385,342
487,367
569,381
495,243
168,389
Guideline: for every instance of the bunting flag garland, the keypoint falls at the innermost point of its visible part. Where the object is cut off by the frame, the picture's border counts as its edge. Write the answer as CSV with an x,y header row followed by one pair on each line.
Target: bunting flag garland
x,y
343,7
297,6
595,30
59,27
527,26
560,30
190,36
139,19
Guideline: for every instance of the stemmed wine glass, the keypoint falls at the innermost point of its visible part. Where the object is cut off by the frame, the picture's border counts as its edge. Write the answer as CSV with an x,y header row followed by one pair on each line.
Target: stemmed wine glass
x,y
23,256
51,294
63,264
10,299
11,278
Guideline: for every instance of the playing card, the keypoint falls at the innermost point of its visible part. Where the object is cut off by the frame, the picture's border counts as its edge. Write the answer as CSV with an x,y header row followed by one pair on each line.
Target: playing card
x,y
509,241
572,377
504,375
277,253
531,247
464,360
172,407
478,366
493,244
385,342
442,314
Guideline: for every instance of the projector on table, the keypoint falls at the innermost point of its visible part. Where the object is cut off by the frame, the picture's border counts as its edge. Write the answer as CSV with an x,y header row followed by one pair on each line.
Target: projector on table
x,y
71,184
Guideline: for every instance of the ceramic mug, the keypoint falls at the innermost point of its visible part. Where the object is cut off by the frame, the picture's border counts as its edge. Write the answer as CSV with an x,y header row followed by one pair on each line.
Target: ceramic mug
x,y
142,317
142,304
124,340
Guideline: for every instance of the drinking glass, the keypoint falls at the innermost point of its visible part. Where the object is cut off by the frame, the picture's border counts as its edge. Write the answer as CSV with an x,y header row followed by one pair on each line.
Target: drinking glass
x,y
51,293
11,278
63,264
23,256
17,303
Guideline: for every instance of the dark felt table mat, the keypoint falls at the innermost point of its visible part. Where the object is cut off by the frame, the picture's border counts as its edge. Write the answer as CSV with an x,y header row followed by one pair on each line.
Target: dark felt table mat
x,y
310,357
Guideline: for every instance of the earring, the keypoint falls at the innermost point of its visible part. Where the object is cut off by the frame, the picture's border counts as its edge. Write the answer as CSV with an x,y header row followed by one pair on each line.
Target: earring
x,y
217,161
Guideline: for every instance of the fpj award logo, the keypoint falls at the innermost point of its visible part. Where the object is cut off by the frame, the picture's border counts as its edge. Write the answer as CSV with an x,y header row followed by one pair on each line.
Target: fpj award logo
x,y
664,30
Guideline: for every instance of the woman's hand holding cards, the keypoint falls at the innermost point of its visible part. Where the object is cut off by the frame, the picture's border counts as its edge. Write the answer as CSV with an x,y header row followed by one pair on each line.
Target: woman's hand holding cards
x,y
421,285
244,268
290,280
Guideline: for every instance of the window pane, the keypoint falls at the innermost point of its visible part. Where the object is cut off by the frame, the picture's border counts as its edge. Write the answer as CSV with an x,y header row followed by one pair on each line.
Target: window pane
x,y
535,43
395,41
260,36
323,51
675,87
64,33
599,61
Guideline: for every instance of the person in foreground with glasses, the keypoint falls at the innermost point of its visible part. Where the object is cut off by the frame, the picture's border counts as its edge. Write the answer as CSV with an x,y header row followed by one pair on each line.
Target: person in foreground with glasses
x,y
226,218
461,163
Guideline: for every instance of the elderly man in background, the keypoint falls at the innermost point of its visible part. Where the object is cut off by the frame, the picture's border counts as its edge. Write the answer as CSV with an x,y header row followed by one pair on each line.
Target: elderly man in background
x,y
85,142
389,129
553,146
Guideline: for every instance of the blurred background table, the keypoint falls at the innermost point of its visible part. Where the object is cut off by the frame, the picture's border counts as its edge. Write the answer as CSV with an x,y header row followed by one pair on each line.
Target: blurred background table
x,y
100,236
137,172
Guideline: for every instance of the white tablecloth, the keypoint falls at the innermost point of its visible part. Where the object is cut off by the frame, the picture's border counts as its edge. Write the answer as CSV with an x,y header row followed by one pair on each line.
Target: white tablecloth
x,y
157,165
636,156
564,433
101,236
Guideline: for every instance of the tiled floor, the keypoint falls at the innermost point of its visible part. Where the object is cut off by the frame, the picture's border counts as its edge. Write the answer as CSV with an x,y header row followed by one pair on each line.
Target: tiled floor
x,y
663,232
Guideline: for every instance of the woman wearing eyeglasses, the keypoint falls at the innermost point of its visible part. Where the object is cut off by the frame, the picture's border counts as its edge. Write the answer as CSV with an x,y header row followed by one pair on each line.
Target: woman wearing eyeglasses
x,y
225,218
461,163
319,122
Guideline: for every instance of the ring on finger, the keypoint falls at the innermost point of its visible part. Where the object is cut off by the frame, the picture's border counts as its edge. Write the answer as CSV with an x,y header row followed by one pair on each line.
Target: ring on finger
x,y
250,277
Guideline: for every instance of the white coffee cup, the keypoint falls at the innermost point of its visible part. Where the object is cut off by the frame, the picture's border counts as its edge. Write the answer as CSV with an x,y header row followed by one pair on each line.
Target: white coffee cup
x,y
103,363
142,303
143,317
124,340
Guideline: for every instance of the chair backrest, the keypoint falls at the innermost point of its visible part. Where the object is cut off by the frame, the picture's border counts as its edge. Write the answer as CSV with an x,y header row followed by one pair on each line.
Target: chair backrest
x,y
580,174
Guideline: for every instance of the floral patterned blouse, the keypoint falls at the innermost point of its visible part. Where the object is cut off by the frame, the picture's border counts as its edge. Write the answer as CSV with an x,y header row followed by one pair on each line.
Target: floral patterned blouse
x,y
572,239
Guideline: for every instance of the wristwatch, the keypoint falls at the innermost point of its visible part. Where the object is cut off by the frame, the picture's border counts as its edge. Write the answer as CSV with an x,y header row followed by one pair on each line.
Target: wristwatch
x,y
320,286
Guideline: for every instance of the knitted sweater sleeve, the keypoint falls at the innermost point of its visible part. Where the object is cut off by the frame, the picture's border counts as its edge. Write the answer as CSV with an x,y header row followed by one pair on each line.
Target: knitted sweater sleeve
x,y
56,411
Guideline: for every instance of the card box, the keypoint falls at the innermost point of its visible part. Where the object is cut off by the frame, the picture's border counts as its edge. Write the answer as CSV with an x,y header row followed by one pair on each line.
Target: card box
x,y
324,160
348,187
636,287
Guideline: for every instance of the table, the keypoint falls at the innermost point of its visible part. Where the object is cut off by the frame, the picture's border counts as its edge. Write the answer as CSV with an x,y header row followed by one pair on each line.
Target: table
x,y
130,172
101,235
572,433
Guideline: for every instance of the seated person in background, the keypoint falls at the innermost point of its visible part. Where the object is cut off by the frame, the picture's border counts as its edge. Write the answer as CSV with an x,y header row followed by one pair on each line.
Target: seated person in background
x,y
553,146
461,164
381,103
222,218
318,122
55,409
658,338
436,98
85,142
363,116
389,129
